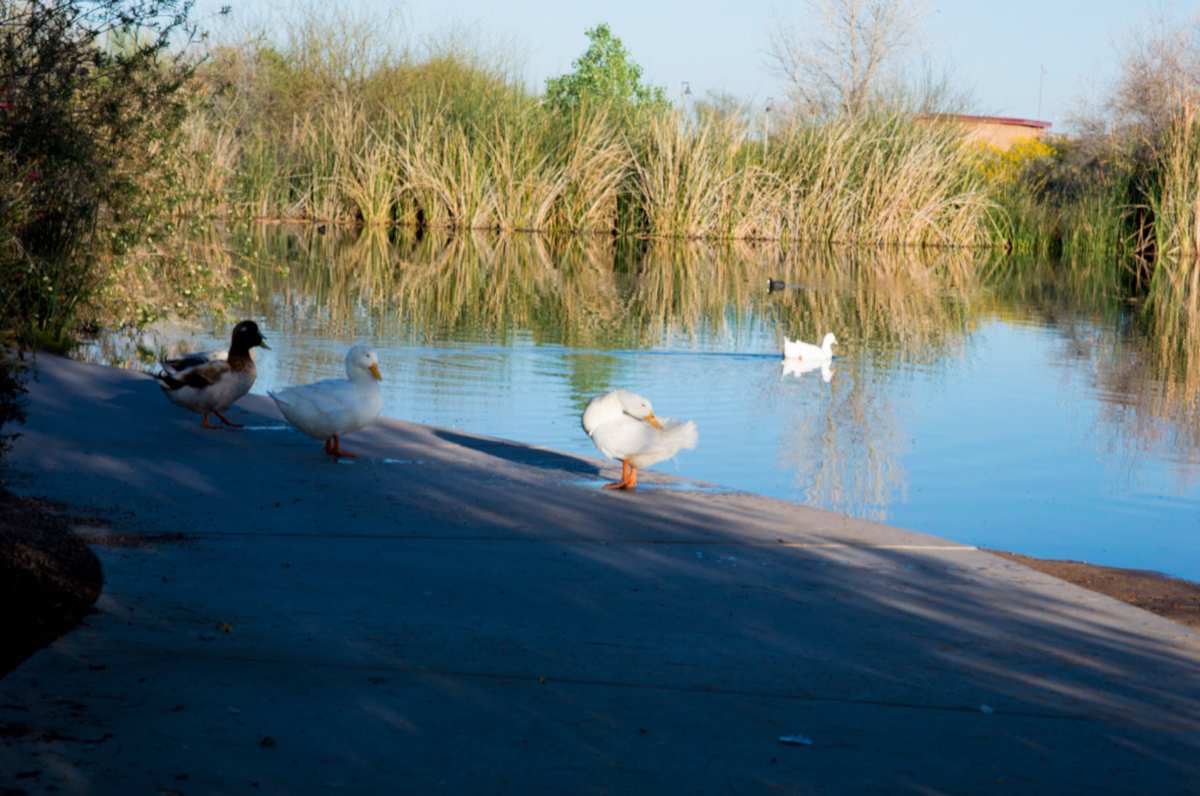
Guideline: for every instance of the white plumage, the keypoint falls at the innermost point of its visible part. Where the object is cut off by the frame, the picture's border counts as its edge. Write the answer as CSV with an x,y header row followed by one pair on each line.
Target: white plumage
x,y
623,426
807,352
327,409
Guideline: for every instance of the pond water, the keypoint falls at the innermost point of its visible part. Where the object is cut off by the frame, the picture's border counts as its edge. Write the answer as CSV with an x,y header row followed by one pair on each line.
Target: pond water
x,y
1021,408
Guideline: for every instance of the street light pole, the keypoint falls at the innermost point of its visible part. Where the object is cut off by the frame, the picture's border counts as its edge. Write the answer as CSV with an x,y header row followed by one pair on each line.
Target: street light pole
x,y
766,125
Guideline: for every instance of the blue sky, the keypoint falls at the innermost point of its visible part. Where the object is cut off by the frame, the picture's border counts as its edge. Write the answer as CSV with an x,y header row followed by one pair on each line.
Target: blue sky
x,y
996,49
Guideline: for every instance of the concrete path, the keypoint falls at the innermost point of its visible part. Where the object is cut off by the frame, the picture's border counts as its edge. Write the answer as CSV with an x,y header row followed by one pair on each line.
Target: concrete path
x,y
457,614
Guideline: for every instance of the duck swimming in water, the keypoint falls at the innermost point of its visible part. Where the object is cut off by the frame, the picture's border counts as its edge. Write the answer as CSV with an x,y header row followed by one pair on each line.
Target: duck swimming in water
x,y
809,353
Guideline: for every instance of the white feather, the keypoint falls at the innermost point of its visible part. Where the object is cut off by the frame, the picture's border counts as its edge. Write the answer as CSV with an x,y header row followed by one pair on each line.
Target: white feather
x,y
614,422
334,406
807,352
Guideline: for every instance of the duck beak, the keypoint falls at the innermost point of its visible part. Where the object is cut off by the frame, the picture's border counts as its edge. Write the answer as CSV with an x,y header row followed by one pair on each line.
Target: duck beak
x,y
375,372
262,343
652,420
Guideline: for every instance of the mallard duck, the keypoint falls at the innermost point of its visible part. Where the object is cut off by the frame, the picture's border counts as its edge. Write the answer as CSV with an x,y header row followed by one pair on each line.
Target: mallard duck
x,y
623,426
209,382
807,352
329,408
774,285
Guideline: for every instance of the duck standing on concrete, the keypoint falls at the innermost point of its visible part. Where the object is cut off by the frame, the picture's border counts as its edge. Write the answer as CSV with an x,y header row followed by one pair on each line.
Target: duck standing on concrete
x,y
329,408
209,382
623,426
809,353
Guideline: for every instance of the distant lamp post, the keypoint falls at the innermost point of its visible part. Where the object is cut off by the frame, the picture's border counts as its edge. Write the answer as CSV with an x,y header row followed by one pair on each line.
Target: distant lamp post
x,y
766,125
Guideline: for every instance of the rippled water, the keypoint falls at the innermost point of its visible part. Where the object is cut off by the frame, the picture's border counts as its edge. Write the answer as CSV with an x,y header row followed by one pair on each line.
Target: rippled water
x,y
1019,412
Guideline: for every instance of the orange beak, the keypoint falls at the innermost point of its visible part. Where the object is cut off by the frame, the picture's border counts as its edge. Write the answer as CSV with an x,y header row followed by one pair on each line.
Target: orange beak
x,y
375,372
652,420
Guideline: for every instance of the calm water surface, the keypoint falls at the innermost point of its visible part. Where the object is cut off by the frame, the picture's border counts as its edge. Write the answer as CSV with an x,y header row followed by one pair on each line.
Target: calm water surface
x,y
1025,413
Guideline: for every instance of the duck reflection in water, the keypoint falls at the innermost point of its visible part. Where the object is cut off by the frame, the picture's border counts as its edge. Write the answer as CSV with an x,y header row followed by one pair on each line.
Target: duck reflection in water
x,y
797,367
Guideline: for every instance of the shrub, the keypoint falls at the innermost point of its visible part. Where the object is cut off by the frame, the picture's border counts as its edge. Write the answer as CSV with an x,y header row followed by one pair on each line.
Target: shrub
x,y
91,94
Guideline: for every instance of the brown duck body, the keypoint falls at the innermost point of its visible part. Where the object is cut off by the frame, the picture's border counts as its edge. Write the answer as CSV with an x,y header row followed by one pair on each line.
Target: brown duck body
x,y
209,383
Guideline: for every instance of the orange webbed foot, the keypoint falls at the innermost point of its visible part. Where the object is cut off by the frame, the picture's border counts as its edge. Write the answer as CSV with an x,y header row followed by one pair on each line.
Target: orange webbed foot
x,y
227,421
628,477
333,446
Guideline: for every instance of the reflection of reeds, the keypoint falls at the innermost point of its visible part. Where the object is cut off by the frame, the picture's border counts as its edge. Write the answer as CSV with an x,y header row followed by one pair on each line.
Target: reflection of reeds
x,y
847,454
897,303
1145,361
1173,392
588,291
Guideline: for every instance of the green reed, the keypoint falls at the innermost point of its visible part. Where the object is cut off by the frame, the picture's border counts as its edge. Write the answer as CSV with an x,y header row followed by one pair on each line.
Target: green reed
x,y
447,140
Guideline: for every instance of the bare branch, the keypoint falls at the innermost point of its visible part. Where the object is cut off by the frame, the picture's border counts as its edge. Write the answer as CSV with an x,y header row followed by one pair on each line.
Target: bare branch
x,y
838,63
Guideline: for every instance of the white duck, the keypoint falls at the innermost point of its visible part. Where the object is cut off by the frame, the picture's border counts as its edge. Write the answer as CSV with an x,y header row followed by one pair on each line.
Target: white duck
x,y
807,352
209,382
329,408
623,426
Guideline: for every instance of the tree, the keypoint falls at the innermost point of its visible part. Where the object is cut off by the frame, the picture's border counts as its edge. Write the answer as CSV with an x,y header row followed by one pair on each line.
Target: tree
x,y
605,75
89,91
1160,71
843,63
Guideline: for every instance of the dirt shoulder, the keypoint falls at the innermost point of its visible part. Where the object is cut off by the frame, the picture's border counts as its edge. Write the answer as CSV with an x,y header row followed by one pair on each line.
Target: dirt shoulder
x,y
1178,600
49,578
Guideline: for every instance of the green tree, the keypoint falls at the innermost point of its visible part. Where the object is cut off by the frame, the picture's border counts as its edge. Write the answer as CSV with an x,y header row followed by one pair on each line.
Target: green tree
x,y
604,75
89,94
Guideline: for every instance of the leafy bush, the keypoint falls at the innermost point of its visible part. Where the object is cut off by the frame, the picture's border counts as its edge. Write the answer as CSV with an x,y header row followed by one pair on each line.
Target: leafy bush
x,y
91,95
12,373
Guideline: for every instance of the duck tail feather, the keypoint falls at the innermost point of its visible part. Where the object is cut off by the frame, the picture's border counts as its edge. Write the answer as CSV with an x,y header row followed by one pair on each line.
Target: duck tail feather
x,y
167,381
683,435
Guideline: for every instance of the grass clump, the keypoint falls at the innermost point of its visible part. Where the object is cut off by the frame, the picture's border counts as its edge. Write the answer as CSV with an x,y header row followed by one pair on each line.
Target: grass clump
x,y
445,138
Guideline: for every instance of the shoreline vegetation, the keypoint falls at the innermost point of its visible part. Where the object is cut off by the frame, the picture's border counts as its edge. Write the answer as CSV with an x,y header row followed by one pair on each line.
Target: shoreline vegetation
x,y
153,134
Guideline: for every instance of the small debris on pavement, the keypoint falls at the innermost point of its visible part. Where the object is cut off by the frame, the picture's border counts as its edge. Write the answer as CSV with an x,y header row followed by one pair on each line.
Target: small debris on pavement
x,y
795,740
